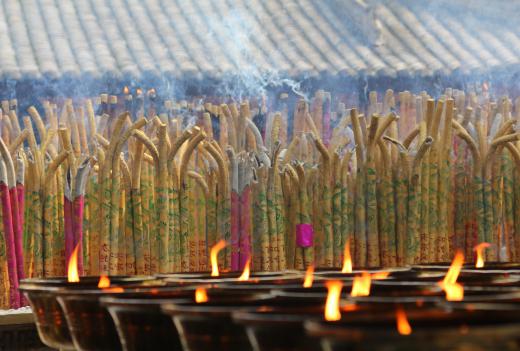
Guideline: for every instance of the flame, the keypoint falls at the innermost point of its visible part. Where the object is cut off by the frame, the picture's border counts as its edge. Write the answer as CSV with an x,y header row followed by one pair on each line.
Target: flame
x,y
246,271
117,289
479,249
151,91
213,257
380,275
138,91
403,326
265,309
347,260
454,291
200,295
349,307
361,285
72,271
126,90
104,282
456,265
309,277
332,312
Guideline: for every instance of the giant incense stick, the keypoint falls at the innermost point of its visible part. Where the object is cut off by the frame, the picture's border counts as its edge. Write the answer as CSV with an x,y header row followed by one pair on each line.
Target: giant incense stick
x,y
161,192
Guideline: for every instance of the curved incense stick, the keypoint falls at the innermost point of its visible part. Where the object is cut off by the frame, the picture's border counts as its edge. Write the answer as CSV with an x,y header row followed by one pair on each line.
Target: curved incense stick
x,y
18,141
33,112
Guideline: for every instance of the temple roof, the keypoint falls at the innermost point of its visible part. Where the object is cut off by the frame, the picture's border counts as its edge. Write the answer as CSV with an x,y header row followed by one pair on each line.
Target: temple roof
x,y
186,39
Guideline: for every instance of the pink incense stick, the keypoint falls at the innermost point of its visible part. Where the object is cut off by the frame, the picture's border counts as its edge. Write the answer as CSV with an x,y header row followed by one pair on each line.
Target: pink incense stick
x,y
245,225
235,229
20,261
14,294
77,228
77,210
17,231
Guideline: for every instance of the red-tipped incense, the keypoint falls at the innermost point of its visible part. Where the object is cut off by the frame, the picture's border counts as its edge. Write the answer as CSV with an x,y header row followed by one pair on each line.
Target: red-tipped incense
x,y
235,229
16,194
14,295
245,234
17,230
78,206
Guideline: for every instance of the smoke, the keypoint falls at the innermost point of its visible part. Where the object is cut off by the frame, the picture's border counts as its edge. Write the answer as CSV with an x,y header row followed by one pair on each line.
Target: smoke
x,y
476,41
254,72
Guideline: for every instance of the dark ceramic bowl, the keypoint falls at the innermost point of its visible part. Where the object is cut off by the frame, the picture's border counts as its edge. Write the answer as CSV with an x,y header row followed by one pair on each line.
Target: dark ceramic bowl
x,y
432,329
90,324
140,323
228,277
209,326
393,273
271,328
386,288
48,314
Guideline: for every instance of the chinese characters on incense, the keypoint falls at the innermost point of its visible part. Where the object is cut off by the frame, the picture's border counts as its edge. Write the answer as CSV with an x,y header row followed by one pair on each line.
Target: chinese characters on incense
x,y
148,185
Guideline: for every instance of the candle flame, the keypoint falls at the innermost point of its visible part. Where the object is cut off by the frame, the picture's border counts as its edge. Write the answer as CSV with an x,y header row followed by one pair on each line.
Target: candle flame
x,y
403,326
213,257
246,271
126,90
72,271
454,270
309,277
347,260
332,312
138,91
361,285
380,275
104,282
116,289
454,291
151,91
479,249
201,295
351,307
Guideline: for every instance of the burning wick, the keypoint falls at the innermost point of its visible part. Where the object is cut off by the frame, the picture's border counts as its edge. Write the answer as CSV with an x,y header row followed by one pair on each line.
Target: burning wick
x,y
72,271
200,295
309,277
361,285
347,260
126,91
213,257
116,289
454,291
104,282
332,312
245,274
403,326
479,249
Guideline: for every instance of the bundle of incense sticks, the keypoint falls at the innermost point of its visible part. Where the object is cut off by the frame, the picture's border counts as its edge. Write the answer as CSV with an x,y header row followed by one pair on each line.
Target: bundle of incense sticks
x,y
146,185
